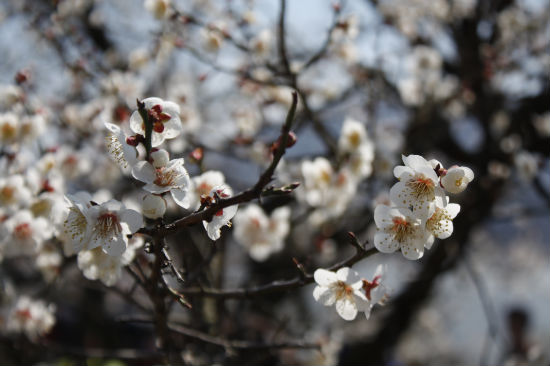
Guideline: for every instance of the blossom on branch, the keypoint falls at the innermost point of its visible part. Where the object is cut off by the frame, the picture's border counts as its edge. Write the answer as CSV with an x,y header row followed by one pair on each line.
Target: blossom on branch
x,y
164,116
172,177
344,289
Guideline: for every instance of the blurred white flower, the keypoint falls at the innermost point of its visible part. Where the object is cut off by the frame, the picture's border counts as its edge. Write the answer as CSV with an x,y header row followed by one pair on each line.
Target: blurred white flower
x,y
32,317
526,164
159,8
96,265
23,234
260,234
342,289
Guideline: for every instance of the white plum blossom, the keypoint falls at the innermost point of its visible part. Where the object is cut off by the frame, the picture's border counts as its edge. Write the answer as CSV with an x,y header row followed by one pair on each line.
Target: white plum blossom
x,y
352,135
111,223
440,224
260,234
159,8
342,289
14,192
77,227
49,261
23,234
121,152
418,185
318,176
223,216
171,178
107,225
32,317
457,179
165,117
399,228
203,184
375,290
96,265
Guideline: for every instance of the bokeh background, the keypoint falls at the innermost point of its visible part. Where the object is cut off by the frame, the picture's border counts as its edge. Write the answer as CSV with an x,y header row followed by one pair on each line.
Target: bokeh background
x,y
462,81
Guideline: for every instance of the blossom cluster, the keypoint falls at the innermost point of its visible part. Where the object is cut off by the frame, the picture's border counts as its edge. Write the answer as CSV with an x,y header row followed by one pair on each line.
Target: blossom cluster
x,y
420,210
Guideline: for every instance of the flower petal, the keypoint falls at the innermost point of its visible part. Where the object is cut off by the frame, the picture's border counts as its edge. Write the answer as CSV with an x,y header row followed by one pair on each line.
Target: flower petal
x,y
324,277
324,295
144,172
346,308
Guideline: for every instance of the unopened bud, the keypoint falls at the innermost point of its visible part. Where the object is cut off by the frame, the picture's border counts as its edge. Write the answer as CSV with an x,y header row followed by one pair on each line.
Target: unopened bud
x,y
197,154
153,206
160,158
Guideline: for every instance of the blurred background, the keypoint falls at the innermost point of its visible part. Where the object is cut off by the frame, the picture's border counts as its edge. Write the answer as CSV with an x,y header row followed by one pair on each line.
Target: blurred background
x,y
463,81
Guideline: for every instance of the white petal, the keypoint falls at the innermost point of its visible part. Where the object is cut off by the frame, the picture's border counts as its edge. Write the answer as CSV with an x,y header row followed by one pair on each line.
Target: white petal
x,y
403,172
324,295
429,242
346,309
136,123
115,246
382,216
172,128
144,172
324,277
133,219
260,252
157,139
453,209
181,197
113,128
416,162
468,173
152,101
385,242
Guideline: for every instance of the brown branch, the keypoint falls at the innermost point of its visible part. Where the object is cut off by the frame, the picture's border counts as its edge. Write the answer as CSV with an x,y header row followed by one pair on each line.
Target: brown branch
x,y
224,342
246,196
282,42
278,286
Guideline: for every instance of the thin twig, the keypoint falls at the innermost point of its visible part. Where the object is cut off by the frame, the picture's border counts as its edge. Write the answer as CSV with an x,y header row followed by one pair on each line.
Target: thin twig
x,y
277,286
224,342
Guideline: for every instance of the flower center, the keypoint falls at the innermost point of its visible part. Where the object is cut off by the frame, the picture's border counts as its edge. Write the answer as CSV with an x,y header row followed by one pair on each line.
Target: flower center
x,y
402,229
107,225
204,189
325,177
458,182
22,231
354,139
23,314
7,194
165,177
421,186
8,132
343,290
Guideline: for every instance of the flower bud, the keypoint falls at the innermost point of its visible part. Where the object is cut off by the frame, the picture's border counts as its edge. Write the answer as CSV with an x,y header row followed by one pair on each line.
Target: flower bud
x,y
153,207
456,179
160,158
